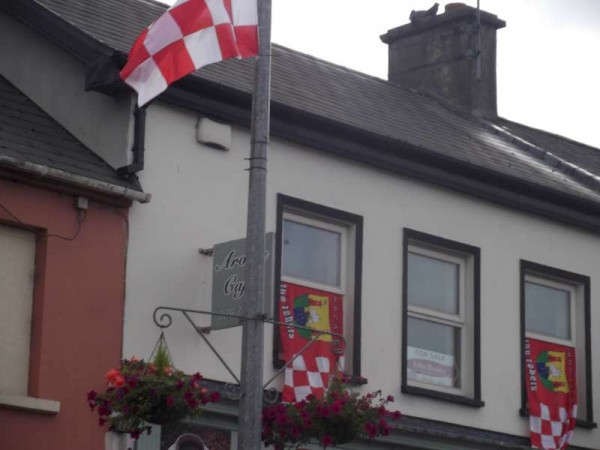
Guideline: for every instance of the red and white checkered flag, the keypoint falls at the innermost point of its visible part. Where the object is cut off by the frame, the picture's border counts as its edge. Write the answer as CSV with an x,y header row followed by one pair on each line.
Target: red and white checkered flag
x,y
550,376
189,35
313,363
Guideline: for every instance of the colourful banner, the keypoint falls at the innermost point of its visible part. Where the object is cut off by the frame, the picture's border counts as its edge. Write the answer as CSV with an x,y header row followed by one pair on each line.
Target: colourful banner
x,y
551,393
317,311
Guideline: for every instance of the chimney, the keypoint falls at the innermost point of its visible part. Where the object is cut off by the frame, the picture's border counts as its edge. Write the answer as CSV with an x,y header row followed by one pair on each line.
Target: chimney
x,y
439,54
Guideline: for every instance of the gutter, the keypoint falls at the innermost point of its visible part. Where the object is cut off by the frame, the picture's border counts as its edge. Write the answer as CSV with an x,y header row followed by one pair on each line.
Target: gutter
x,y
77,180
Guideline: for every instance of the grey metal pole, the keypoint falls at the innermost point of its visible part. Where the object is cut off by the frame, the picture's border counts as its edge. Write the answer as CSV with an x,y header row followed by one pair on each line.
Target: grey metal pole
x,y
253,330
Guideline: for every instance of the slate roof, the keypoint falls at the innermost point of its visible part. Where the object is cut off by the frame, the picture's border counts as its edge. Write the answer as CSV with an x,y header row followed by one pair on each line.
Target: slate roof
x,y
29,134
334,93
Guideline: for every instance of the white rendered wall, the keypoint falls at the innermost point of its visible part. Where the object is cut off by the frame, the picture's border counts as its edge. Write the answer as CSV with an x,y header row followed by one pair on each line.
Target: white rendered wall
x,y
199,199
55,81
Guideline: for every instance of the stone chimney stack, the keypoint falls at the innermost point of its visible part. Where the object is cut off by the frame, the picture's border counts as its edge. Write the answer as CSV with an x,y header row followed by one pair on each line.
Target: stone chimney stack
x,y
439,54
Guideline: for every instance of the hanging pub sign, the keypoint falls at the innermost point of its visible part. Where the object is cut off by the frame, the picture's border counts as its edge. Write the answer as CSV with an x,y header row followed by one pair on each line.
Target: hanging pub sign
x,y
229,280
551,393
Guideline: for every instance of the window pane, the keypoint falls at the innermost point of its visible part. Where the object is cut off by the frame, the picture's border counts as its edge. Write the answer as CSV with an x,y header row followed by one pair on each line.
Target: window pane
x,y
433,353
433,283
547,311
311,253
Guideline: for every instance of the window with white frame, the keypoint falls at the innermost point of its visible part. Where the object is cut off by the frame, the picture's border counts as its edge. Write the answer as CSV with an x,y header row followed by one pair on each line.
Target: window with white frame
x,y
320,248
556,307
17,248
441,314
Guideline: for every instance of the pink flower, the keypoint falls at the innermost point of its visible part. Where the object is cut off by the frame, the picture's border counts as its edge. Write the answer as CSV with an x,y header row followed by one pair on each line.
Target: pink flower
x,y
169,401
371,429
390,398
396,415
336,407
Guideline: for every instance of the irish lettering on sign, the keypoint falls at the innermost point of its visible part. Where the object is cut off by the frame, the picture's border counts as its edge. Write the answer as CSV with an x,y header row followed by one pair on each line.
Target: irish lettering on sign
x,y
229,283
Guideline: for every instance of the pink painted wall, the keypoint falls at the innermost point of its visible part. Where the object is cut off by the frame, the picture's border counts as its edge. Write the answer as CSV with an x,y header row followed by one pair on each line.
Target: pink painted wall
x,y
77,322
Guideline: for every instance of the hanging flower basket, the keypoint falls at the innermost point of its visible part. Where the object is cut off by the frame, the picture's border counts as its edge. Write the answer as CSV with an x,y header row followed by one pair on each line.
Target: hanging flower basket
x,y
139,393
339,417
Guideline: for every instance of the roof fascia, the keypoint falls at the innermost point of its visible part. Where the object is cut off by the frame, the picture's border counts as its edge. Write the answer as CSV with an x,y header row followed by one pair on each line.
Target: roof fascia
x,y
400,158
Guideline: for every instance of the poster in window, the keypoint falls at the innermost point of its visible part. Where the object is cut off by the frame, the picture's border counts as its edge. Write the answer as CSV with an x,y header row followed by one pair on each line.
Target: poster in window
x,y
314,310
551,393
430,367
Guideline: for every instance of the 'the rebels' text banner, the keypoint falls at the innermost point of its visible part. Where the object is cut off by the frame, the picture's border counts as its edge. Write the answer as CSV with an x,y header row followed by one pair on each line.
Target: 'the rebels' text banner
x,y
551,393
319,311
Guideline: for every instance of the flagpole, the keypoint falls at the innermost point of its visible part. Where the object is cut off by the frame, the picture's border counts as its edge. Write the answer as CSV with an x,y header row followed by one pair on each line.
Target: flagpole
x,y
249,421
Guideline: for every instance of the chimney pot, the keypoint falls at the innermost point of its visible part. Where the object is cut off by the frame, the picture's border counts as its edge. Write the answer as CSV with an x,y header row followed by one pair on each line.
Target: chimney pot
x,y
454,6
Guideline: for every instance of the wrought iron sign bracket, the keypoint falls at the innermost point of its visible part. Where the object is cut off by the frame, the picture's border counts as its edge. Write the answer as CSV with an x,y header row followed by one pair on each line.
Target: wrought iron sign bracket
x,y
163,319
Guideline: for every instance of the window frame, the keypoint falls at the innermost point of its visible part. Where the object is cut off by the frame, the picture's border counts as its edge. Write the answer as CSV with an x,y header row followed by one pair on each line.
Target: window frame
x,y
469,259
352,225
581,285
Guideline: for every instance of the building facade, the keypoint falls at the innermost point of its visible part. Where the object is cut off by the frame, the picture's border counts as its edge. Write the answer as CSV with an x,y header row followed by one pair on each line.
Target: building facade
x,y
441,225
63,236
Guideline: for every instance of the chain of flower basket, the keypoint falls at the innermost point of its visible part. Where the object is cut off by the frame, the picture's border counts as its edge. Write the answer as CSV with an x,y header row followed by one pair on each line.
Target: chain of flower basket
x,y
233,391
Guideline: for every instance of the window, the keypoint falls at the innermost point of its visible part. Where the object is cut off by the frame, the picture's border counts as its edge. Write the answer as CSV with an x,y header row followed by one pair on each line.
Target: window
x,y
555,307
441,319
321,248
17,248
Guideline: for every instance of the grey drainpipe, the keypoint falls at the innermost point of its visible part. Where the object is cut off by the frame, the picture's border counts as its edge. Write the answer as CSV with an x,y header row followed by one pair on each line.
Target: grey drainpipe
x,y
138,148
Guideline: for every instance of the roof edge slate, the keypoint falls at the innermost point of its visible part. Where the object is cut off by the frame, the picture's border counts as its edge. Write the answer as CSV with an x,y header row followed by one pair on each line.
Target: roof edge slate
x,y
42,172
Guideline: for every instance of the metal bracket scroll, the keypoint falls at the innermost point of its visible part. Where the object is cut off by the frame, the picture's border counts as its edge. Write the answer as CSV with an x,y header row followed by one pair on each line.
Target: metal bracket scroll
x,y
233,391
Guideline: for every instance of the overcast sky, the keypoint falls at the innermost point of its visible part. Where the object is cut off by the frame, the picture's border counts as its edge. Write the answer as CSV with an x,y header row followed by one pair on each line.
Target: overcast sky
x,y
548,54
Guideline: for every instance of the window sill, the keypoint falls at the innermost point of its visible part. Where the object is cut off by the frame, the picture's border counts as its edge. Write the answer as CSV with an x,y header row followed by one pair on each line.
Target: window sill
x,y
476,403
24,403
523,412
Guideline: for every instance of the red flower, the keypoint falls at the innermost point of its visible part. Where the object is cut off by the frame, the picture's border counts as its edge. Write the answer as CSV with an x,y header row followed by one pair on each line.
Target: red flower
x,y
114,378
215,397
390,398
326,441
396,415
169,401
